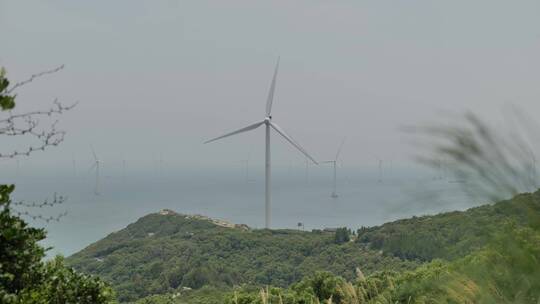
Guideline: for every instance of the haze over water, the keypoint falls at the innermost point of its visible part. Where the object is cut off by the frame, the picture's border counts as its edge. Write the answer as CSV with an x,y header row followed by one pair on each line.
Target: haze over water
x,y
225,194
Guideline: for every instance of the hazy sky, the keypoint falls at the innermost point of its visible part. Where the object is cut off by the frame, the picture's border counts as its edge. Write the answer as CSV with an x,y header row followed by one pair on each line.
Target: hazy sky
x,y
163,76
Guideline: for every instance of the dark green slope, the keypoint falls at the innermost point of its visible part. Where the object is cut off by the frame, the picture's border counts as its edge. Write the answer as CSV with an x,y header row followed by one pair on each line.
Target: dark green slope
x,y
161,253
450,235
166,253
506,270
502,266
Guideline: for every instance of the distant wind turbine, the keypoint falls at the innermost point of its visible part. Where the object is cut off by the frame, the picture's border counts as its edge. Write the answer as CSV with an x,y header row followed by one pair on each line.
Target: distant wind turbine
x,y
267,121
245,162
307,170
380,165
160,163
380,170
124,168
74,163
96,165
334,163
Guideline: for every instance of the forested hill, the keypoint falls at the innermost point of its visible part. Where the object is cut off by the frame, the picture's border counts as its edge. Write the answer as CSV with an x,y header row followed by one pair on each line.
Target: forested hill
x,y
168,252
451,235
165,251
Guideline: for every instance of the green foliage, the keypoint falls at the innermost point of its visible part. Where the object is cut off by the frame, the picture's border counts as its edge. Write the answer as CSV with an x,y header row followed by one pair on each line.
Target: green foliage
x,y
61,284
205,295
24,278
20,254
450,235
7,102
322,285
161,253
505,270
342,235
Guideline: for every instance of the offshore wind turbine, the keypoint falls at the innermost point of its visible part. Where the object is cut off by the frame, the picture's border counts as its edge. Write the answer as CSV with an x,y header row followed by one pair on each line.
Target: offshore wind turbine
x,y
124,169
245,162
74,164
380,165
268,123
334,163
380,170
96,165
307,170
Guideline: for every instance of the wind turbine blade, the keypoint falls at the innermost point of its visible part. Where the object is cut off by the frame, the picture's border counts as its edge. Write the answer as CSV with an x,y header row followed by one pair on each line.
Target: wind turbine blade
x,y
340,147
93,152
271,92
292,141
248,128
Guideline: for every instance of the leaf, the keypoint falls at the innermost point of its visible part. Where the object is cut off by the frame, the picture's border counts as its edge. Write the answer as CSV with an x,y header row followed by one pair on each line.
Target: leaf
x,y
7,102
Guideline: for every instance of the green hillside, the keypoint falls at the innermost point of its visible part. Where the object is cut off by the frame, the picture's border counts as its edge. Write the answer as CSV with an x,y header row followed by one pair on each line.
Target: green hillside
x,y
163,252
194,260
505,271
450,235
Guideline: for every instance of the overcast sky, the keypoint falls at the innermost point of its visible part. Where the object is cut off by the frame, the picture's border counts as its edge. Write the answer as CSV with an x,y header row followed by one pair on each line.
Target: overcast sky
x,y
160,77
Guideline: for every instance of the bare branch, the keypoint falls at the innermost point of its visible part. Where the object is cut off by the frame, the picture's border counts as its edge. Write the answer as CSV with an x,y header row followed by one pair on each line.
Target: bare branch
x,y
57,108
57,200
26,124
24,82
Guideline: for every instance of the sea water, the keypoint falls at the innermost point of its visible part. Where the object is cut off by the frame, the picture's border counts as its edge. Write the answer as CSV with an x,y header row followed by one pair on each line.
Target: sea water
x,y
298,196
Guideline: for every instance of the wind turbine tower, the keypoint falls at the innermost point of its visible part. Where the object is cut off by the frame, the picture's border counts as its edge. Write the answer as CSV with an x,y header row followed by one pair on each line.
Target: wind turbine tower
x,y
268,124
334,163
74,163
96,165
380,170
307,170
124,169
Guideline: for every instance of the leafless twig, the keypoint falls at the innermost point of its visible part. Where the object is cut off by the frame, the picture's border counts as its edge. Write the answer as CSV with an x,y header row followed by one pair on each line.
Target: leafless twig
x,y
57,200
27,124
32,78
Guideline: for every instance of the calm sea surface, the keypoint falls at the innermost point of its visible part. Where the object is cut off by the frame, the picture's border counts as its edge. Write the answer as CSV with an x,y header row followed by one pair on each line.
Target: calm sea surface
x,y
227,194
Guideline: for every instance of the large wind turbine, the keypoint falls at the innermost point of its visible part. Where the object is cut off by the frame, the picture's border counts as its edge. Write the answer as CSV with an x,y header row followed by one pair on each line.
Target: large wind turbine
x,y
334,162
97,163
268,123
